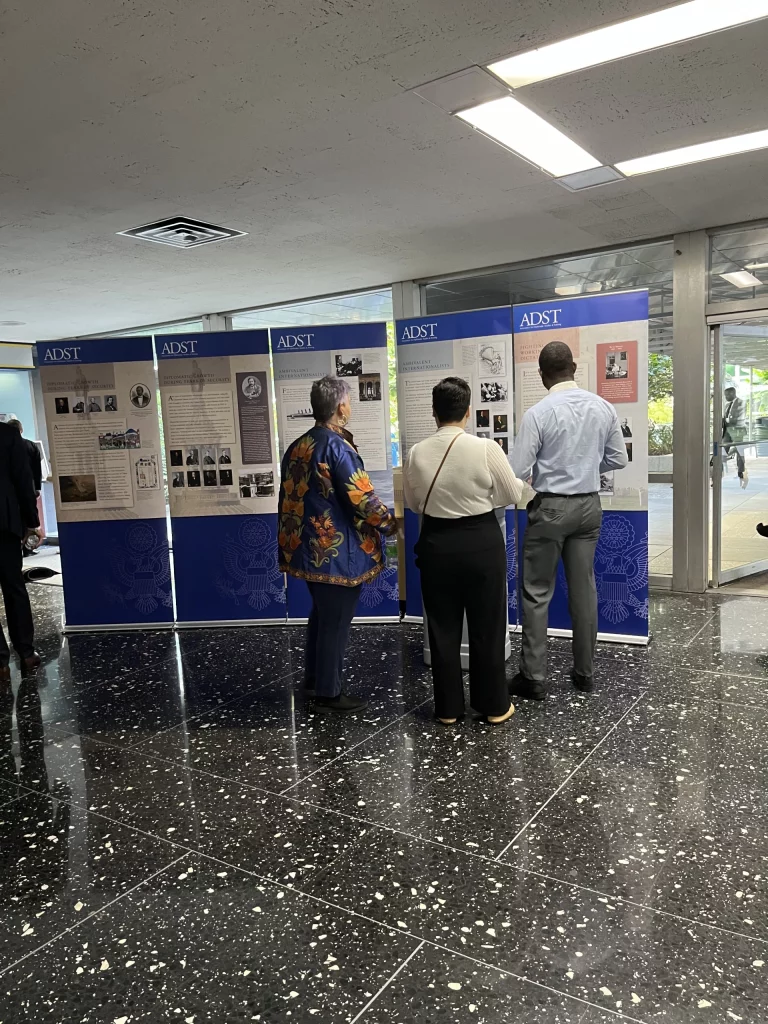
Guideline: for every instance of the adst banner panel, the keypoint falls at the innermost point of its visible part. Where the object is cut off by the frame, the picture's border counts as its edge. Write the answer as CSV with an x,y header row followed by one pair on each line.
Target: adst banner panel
x,y
358,354
476,346
222,469
102,416
608,335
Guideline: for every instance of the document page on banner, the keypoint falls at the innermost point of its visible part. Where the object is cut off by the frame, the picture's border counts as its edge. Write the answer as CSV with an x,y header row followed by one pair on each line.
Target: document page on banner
x,y
105,440
476,347
354,353
219,434
608,336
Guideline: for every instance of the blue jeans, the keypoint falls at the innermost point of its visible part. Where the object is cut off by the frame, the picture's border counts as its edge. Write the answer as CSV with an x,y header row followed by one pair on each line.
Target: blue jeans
x,y
333,608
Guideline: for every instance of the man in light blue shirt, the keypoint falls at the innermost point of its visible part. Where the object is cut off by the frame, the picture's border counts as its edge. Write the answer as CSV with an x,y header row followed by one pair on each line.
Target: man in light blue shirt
x,y
565,442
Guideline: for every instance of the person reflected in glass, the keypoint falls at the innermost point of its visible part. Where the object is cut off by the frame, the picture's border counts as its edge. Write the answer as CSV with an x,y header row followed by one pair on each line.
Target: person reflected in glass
x,y
456,481
331,526
735,431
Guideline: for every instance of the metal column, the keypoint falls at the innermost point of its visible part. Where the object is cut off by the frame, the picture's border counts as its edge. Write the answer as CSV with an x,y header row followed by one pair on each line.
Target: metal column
x,y
691,448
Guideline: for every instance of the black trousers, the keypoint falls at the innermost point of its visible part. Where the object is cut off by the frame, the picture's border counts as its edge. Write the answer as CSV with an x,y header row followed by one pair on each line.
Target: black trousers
x,y
333,608
18,613
463,567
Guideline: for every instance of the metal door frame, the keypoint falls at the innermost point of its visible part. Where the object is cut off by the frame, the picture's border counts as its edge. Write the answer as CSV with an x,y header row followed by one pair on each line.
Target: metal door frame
x,y
722,576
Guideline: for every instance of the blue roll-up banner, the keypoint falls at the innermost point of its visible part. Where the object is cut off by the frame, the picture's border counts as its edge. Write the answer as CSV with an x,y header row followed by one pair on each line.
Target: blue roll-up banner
x,y
608,335
222,477
101,410
476,346
357,353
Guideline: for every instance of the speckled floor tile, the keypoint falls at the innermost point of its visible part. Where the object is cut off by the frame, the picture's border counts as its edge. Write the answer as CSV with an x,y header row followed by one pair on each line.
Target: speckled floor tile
x,y
670,812
611,954
471,786
273,738
59,863
206,944
443,988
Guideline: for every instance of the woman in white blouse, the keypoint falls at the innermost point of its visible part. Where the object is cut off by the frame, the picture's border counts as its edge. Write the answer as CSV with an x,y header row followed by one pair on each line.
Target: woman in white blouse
x,y
456,481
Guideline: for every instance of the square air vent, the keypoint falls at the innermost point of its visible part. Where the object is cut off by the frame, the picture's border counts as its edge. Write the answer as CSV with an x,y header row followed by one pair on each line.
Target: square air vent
x,y
182,233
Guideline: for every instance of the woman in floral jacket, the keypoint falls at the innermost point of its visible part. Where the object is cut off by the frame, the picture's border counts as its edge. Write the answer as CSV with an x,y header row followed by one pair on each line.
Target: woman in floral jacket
x,y
330,526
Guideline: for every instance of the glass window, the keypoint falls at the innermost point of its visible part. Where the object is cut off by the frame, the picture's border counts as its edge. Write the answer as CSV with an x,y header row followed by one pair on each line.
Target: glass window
x,y
639,266
738,264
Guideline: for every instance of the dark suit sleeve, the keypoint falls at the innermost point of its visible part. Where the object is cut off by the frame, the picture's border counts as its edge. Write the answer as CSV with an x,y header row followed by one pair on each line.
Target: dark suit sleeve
x,y
23,484
36,463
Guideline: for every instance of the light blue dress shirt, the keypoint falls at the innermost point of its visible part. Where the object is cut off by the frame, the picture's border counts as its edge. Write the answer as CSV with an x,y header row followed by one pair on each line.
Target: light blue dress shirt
x,y
567,440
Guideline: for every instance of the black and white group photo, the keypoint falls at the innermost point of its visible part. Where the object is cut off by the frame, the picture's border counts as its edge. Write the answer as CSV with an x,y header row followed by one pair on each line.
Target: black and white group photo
x,y
493,391
349,365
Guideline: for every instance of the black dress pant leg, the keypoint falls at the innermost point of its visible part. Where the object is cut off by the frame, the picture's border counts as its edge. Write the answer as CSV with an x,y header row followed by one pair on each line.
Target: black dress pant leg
x,y
487,628
310,651
335,607
442,592
17,608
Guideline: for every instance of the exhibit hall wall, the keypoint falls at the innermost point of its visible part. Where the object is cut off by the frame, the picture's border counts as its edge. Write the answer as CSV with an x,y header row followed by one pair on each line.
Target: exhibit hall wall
x,y
476,346
608,335
356,353
104,433
222,476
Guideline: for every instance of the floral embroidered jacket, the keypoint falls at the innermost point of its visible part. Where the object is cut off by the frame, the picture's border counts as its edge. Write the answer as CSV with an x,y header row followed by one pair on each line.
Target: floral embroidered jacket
x,y
330,520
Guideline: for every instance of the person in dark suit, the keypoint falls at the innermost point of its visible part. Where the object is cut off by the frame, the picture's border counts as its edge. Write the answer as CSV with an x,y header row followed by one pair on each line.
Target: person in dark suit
x,y
18,521
34,456
35,464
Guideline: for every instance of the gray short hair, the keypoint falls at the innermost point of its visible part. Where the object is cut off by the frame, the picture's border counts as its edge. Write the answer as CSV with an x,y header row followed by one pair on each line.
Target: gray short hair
x,y
326,396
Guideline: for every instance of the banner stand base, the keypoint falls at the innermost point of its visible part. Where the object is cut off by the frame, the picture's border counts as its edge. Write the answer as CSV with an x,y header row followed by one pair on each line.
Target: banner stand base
x,y
116,627
227,623
361,620
611,638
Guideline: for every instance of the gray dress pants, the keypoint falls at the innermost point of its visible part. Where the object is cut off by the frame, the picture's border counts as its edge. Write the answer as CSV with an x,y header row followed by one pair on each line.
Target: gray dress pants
x,y
567,527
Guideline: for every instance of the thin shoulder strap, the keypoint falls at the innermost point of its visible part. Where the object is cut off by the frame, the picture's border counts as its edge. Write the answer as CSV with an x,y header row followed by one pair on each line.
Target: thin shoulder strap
x,y
437,474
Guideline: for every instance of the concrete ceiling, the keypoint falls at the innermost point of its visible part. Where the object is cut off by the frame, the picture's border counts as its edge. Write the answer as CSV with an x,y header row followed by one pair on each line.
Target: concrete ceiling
x,y
291,120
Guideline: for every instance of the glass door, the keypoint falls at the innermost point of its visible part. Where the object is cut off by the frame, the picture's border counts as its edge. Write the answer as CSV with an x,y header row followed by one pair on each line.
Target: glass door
x,y
739,461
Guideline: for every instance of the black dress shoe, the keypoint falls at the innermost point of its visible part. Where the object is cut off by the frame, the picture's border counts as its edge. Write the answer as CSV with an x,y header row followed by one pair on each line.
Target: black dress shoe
x,y
31,664
527,689
585,684
762,530
344,704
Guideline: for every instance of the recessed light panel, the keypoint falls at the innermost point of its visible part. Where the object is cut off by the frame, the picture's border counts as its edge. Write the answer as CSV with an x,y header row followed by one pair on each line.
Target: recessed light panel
x,y
649,32
510,123
742,279
694,154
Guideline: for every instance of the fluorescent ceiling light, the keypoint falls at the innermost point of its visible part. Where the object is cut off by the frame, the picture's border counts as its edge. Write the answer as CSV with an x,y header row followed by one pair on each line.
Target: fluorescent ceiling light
x,y
755,266
695,154
649,32
742,279
507,121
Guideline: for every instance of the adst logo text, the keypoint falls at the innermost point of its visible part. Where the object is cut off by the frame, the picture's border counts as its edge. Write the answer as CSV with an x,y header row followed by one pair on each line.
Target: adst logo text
x,y
295,341
61,355
179,348
417,332
542,318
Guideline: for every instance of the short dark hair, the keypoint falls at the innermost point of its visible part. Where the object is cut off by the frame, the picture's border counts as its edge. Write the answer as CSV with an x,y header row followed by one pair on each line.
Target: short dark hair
x,y
450,399
555,359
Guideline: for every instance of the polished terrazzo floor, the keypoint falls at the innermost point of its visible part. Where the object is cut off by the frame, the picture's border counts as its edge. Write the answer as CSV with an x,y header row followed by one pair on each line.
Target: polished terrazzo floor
x,y
181,839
